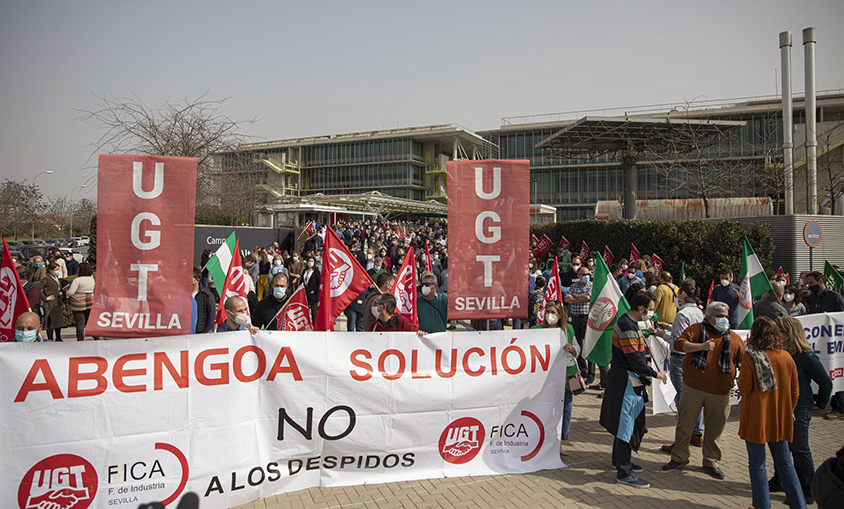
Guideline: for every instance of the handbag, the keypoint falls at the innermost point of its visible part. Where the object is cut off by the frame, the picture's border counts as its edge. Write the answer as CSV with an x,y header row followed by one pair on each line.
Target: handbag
x,y
575,384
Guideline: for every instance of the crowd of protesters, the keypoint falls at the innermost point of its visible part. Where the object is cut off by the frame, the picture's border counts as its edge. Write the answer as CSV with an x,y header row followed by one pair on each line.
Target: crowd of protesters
x,y
775,370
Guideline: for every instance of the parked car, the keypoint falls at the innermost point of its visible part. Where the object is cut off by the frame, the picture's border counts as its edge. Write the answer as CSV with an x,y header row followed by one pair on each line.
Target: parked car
x,y
83,241
27,253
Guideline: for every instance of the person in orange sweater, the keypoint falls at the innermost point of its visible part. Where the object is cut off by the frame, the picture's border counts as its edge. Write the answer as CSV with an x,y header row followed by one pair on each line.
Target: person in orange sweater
x,y
769,388
713,352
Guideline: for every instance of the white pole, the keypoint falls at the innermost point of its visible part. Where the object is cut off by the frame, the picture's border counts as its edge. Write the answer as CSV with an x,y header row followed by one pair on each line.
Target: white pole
x,y
787,121
809,40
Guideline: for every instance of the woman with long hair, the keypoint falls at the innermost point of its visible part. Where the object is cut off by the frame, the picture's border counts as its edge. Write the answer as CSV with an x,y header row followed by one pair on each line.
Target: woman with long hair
x,y
809,369
769,387
556,318
80,297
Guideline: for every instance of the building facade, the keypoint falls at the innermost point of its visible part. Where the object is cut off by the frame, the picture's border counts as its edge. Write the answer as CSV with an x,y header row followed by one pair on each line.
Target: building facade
x,y
410,163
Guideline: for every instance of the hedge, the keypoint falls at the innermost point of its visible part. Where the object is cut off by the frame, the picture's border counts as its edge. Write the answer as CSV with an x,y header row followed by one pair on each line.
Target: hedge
x,y
704,246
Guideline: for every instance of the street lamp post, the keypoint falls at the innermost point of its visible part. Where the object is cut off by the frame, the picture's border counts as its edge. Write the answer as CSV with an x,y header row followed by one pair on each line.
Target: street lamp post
x,y
80,186
48,172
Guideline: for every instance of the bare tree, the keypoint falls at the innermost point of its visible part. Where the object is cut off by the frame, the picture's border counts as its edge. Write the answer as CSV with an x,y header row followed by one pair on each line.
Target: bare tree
x,y
695,162
187,128
19,205
831,164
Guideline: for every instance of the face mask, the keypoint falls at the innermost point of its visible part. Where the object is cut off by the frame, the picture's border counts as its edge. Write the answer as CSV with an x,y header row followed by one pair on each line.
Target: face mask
x,y
39,264
383,254
652,288
279,293
394,242
591,264
436,257
295,258
725,283
624,267
584,279
377,267
57,273
814,288
310,263
369,257
551,319
631,275
788,297
241,319
575,267
277,263
530,265
375,312
722,324
26,336
426,290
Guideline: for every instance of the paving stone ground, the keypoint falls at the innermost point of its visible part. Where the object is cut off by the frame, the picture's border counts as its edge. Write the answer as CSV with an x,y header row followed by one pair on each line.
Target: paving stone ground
x,y
588,480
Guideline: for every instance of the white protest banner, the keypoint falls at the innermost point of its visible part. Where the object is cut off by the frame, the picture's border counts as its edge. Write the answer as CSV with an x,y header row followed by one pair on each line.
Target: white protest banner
x,y
662,394
234,417
825,334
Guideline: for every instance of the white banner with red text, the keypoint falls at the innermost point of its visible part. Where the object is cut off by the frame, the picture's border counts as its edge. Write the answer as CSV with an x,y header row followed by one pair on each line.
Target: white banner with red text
x,y
234,417
824,332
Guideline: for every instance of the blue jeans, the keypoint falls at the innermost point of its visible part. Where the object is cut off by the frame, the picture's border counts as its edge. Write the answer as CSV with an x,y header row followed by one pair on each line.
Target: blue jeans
x,y
568,404
675,372
517,323
759,475
800,453
354,320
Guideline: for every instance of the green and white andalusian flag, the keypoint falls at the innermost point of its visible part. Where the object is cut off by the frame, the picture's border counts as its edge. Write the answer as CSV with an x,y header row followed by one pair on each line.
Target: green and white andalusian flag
x,y
607,304
754,284
218,265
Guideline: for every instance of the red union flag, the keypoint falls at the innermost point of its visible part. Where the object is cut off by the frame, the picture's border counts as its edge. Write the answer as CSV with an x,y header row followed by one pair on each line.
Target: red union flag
x,y
342,280
145,223
404,289
488,212
584,252
295,315
235,285
13,301
564,243
428,264
533,238
554,289
544,244
309,228
657,264
634,253
607,256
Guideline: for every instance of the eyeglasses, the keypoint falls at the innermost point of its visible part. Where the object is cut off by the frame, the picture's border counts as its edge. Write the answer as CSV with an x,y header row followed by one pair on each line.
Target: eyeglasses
x,y
428,284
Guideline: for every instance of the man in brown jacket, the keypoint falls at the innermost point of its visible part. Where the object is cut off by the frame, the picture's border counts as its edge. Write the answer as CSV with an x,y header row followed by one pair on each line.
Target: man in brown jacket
x,y
713,352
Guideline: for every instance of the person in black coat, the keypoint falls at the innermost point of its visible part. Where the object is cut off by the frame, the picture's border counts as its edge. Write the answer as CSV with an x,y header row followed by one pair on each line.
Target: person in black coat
x,y
205,312
310,278
272,303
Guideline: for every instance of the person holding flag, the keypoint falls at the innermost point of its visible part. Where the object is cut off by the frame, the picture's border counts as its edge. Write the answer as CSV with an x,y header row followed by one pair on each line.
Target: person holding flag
x,y
387,319
556,318
728,292
578,299
268,309
233,309
623,407
294,315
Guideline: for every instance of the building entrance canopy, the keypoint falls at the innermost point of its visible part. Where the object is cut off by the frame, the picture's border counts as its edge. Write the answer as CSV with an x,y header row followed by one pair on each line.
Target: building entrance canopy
x,y
375,203
633,138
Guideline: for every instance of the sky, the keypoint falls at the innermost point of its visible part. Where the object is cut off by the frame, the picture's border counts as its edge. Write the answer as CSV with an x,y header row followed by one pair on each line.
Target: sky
x,y
316,68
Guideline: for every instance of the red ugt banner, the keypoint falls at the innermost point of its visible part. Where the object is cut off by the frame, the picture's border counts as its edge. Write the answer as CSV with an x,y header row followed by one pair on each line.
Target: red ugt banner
x,y
488,212
145,223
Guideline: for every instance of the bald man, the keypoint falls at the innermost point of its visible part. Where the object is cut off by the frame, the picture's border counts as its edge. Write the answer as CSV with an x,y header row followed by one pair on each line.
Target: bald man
x,y
237,316
771,303
28,328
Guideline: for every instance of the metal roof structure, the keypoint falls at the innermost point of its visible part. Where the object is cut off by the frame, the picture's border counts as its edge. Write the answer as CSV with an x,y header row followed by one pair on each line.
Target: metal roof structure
x,y
443,134
374,202
600,135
